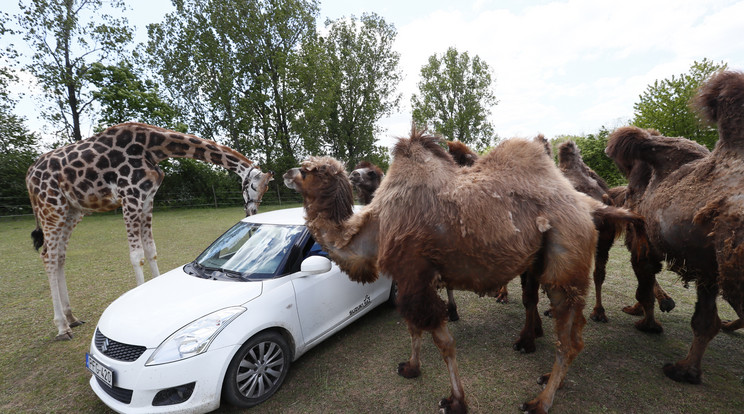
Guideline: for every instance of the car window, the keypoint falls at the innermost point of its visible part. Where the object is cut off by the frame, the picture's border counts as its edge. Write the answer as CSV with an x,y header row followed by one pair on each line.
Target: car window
x,y
250,249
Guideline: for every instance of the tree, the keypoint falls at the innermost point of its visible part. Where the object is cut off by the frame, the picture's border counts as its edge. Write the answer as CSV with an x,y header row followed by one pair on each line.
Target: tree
x,y
352,81
123,96
232,66
67,36
455,98
665,105
18,146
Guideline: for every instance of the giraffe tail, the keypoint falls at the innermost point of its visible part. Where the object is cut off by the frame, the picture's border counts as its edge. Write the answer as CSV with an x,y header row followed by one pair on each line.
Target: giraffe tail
x,y
38,238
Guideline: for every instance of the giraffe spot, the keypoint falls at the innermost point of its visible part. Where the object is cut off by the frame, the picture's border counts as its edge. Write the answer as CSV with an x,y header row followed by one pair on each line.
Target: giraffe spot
x,y
54,164
140,138
70,174
135,162
100,148
102,163
124,138
135,150
91,174
110,177
216,158
88,156
178,148
156,139
160,155
107,142
124,170
146,185
137,175
72,155
233,159
78,164
199,153
116,158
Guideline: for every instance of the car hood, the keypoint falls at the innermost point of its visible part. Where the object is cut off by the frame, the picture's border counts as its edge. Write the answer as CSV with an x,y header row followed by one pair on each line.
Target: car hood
x,y
151,312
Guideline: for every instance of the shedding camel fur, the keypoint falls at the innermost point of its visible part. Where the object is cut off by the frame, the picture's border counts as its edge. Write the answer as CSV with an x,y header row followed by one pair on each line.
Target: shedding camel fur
x,y
511,213
693,203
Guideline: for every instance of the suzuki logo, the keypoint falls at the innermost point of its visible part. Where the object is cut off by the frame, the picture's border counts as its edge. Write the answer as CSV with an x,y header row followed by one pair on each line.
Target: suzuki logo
x,y
105,345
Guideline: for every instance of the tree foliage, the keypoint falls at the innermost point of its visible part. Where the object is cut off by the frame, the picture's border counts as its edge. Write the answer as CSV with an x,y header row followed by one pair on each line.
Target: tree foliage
x,y
124,96
67,36
455,98
233,67
665,105
353,78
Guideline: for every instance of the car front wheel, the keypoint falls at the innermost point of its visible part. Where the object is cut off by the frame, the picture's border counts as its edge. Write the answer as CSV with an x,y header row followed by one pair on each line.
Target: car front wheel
x,y
257,370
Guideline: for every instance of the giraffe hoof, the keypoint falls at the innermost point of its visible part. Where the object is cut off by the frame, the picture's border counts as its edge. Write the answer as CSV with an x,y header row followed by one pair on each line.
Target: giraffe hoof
x,y
76,323
63,337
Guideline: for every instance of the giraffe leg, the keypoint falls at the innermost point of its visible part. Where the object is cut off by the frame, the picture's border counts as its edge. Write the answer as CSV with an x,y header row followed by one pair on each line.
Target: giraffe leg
x,y
73,218
133,222
148,242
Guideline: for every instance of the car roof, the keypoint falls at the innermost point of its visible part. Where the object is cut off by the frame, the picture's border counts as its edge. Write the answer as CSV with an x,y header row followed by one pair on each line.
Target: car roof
x,y
287,216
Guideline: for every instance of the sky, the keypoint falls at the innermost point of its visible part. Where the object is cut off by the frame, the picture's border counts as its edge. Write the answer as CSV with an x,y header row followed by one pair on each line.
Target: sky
x,y
559,67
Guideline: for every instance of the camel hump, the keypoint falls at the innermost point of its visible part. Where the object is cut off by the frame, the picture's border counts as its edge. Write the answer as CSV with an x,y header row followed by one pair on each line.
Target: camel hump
x,y
720,101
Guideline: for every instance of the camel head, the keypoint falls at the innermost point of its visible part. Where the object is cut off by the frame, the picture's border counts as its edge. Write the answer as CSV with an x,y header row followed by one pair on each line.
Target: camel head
x,y
568,154
255,185
365,178
324,186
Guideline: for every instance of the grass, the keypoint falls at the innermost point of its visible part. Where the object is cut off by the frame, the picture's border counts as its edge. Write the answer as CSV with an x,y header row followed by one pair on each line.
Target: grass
x,y
619,370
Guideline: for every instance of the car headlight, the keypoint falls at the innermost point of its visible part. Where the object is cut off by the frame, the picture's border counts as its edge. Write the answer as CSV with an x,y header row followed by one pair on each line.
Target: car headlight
x,y
194,338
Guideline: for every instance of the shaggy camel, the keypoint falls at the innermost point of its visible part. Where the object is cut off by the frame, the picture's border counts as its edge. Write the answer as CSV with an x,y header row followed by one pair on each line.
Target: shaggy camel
x,y
512,213
587,181
694,209
365,178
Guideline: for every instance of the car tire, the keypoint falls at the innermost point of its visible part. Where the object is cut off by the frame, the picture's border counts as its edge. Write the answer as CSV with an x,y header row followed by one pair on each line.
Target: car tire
x,y
248,380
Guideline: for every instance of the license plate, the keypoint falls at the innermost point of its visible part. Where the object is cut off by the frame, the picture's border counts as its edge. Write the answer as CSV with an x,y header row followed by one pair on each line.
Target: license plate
x,y
101,371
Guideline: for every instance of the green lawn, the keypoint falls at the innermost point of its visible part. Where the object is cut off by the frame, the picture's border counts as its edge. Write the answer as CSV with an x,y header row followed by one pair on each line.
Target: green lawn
x,y
619,370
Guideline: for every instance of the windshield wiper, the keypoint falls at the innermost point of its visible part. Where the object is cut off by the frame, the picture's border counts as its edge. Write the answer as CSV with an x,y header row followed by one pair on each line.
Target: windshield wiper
x,y
232,273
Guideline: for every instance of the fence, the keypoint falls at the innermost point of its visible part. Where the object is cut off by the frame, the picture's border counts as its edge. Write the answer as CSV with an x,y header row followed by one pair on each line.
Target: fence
x,y
276,195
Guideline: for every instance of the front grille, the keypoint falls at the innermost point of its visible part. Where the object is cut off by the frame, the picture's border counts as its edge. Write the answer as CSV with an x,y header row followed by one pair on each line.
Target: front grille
x,y
117,350
120,394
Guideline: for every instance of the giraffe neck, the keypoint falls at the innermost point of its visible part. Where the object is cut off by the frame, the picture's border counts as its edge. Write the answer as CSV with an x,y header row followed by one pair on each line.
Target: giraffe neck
x,y
163,144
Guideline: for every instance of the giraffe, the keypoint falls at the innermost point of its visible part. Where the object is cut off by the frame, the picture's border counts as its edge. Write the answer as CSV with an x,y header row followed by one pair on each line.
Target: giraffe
x,y
116,168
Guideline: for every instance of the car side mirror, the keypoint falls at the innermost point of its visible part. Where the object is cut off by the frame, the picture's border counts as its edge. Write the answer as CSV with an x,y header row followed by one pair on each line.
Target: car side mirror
x,y
315,265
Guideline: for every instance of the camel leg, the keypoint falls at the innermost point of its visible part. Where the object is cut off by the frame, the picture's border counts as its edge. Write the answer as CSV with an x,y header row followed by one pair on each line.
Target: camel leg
x,y
645,269
666,302
412,367
569,324
602,254
503,295
533,324
148,242
446,344
452,306
705,326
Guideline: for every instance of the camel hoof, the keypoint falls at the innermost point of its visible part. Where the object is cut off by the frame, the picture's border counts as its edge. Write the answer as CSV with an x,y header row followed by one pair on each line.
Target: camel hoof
x,y
405,370
76,323
533,407
502,299
599,316
548,313
453,316
63,336
649,327
452,406
666,305
679,374
635,310
524,345
543,380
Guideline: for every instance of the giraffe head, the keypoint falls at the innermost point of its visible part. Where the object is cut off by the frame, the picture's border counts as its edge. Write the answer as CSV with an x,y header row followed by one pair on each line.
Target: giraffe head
x,y
255,184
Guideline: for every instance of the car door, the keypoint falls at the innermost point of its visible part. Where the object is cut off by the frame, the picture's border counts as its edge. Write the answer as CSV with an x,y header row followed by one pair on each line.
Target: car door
x,y
326,300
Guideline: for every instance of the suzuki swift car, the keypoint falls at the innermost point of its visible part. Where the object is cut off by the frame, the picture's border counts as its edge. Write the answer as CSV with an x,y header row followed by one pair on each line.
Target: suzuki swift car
x,y
227,325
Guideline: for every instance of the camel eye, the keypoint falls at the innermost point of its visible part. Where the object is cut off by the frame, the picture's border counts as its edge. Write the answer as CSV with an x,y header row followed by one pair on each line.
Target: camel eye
x,y
303,173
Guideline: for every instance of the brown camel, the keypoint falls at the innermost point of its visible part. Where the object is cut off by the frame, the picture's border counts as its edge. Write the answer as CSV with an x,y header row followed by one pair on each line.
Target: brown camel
x,y
694,210
365,178
587,181
512,213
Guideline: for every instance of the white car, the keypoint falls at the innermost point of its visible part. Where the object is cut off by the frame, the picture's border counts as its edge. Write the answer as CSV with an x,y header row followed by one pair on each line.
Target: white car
x,y
228,324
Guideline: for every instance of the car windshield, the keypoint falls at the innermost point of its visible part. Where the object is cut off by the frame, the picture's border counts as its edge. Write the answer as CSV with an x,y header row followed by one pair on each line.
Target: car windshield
x,y
248,248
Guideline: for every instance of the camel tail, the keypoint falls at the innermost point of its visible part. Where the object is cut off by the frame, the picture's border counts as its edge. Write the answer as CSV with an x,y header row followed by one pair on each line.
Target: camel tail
x,y
38,237
720,101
